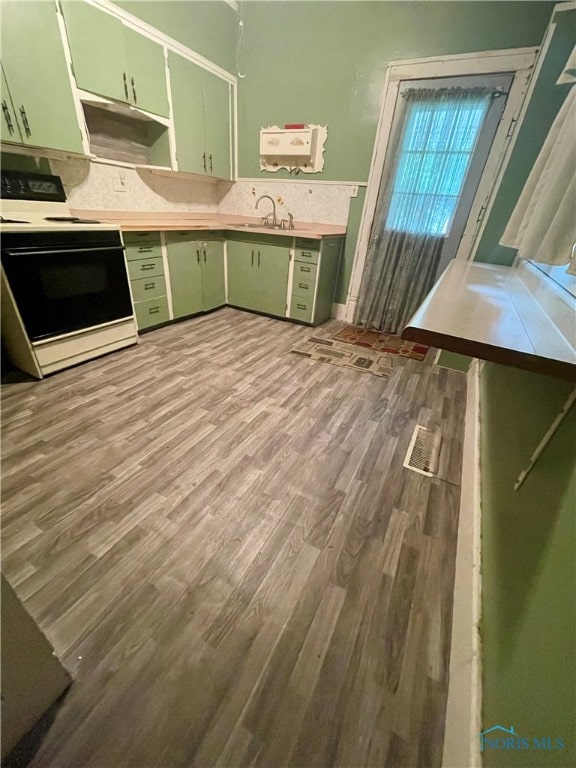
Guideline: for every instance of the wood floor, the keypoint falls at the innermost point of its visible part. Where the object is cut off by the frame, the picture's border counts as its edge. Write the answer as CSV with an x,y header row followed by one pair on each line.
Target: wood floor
x,y
221,543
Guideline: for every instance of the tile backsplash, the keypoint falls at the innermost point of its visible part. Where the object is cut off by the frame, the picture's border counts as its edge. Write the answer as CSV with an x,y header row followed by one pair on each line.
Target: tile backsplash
x,y
306,200
97,186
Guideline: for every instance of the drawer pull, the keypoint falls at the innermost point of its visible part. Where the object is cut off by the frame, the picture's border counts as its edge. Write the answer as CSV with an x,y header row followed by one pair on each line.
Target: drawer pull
x,y
303,285
149,286
307,254
301,306
304,269
144,248
153,310
147,267
142,234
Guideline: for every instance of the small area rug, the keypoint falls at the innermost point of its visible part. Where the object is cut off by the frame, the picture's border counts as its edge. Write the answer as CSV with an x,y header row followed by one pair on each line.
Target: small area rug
x,y
380,341
327,350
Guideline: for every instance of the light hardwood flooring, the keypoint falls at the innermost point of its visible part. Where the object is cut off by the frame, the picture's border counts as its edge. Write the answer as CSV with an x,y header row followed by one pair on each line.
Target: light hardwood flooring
x,y
220,541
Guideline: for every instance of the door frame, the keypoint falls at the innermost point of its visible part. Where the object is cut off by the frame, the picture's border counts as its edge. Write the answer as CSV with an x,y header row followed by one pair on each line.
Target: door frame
x,y
519,62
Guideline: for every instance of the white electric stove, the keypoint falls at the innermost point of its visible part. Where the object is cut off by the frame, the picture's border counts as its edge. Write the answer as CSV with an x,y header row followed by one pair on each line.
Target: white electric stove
x,y
65,289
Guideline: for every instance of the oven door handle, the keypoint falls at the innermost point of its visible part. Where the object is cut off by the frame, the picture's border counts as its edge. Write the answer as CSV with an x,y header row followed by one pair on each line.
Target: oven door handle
x,y
59,251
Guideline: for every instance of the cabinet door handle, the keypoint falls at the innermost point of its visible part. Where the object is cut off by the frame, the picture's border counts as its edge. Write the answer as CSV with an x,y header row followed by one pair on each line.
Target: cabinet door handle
x,y
198,256
204,257
258,259
134,90
125,84
204,160
149,286
303,285
25,121
210,163
6,111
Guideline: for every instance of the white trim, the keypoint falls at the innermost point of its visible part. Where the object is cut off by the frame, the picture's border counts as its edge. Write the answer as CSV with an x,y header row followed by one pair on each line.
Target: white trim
x,y
308,182
463,708
488,62
291,263
166,265
561,7
519,122
338,311
154,34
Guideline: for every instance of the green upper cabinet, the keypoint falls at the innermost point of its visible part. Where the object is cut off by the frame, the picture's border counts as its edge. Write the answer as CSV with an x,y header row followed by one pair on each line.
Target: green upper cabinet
x,y
217,125
36,94
201,113
147,73
114,61
188,114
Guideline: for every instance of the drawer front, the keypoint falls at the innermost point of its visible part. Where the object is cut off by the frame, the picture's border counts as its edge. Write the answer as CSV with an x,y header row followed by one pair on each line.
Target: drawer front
x,y
151,312
143,251
148,288
141,238
301,308
145,268
304,279
307,255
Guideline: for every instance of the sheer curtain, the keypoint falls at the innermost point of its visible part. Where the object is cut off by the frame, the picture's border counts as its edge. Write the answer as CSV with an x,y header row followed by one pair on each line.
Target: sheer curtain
x,y
418,200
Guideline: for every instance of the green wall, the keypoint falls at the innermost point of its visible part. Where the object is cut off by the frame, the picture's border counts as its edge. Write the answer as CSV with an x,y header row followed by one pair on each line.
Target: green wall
x,y
528,622
209,27
324,62
547,98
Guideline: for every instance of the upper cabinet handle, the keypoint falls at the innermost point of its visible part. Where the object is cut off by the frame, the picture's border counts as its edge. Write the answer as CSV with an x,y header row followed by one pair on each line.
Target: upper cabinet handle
x,y
125,84
25,121
7,117
134,91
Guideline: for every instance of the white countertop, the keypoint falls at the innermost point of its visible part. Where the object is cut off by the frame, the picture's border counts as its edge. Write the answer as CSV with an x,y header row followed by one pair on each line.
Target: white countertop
x,y
489,312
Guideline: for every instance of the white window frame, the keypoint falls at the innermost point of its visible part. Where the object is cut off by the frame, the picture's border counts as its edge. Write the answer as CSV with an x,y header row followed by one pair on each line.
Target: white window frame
x,y
519,62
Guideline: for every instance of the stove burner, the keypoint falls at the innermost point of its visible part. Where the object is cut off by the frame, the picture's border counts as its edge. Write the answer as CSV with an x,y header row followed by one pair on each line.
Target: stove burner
x,y
12,221
71,219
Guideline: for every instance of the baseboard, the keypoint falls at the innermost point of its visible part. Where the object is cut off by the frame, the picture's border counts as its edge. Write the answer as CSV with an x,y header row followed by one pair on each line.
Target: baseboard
x,y
461,738
339,311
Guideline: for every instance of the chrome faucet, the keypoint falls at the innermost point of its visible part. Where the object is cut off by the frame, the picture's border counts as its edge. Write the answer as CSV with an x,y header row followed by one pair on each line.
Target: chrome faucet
x,y
274,222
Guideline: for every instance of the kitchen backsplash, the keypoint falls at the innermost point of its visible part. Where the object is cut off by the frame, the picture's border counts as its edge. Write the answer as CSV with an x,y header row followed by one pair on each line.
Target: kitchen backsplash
x,y
96,186
306,201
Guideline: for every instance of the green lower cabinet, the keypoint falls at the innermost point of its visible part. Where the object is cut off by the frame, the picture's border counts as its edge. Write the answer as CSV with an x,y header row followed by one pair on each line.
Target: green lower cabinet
x,y
314,280
185,265
151,312
258,276
196,273
242,278
213,282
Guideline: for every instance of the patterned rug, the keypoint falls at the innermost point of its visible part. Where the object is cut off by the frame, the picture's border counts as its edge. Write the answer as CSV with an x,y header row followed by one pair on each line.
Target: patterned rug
x,y
327,350
380,341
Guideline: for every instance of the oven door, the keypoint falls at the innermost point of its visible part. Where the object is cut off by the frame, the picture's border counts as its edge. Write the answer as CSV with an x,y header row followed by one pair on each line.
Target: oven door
x,y
61,287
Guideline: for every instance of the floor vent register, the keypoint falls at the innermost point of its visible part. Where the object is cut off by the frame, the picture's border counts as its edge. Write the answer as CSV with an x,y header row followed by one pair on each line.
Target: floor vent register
x,y
424,451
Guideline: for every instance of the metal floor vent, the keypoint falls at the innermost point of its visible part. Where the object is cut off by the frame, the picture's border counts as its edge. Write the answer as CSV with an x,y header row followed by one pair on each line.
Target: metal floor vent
x,y
423,451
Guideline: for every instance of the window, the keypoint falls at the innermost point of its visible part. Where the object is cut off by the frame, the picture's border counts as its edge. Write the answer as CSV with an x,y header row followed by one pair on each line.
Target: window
x,y
435,150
